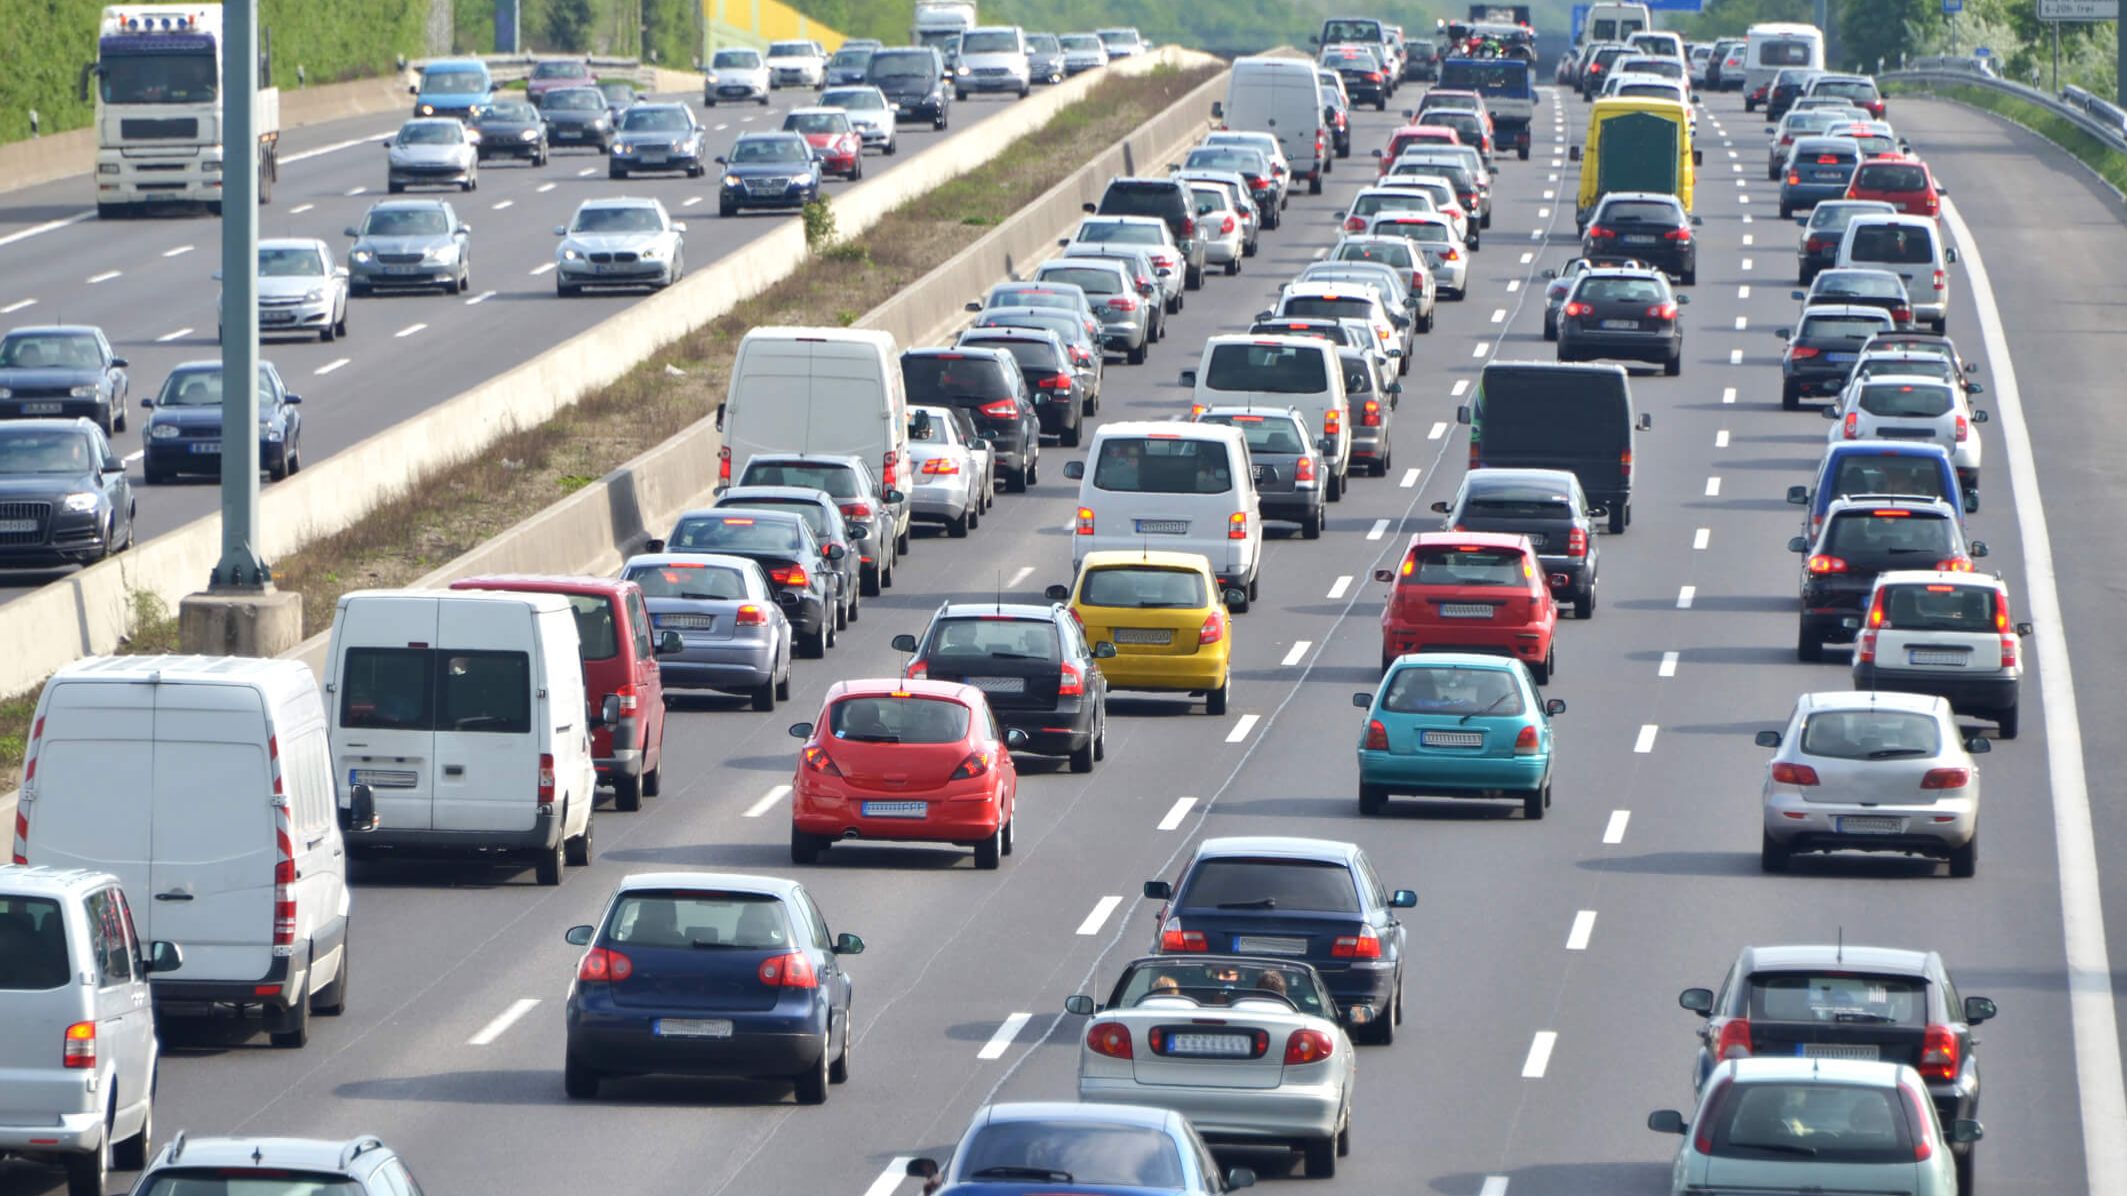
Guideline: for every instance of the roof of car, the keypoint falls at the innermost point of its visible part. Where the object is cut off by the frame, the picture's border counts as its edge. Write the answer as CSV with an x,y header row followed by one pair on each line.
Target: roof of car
x,y
1872,699
1916,503
846,460
40,880
879,687
1829,955
543,583
1489,479
1080,261
1083,1114
801,493
1846,309
1117,558
1480,539
741,882
757,514
1462,660
1042,613
1277,847
1939,577
54,330
293,1154
1006,332
1771,1069
690,559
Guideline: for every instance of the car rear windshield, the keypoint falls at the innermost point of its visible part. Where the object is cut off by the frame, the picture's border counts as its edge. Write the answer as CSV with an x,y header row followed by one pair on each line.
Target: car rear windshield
x,y
1638,291
33,950
735,533
597,631
1519,502
1853,89
1139,199
993,637
1834,285
1639,211
1895,243
837,481
816,122
1938,606
575,99
1411,200
698,919
1838,998
242,1181
1544,411
1305,306
814,514
1938,368
427,689
1465,565
1899,400
1209,199
1441,689
700,583
1868,541
1888,474
1092,282
1144,587
1853,329
1835,217
1264,433
1391,253
1424,231
1034,357
1891,176
953,376
1163,465
1870,735
1121,1156
898,720
1242,883
1823,1123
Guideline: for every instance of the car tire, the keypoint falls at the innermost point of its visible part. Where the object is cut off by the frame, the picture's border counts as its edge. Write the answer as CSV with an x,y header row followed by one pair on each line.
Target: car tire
x,y
1772,172
654,780
805,848
1964,861
278,471
1772,855
1135,354
88,1171
868,582
579,850
1233,267
1082,758
1584,601
1314,183
1215,700
957,528
1193,278
2005,721
1787,211
1321,1157
1311,527
813,644
1790,399
1966,1162
578,1080
331,1000
1541,673
547,869
1535,802
1336,487
627,794
1015,481
1674,365
291,1030
339,329
1550,327
1620,518
132,1154
810,1085
390,188
1690,277
959,97
1809,646
989,853
1373,799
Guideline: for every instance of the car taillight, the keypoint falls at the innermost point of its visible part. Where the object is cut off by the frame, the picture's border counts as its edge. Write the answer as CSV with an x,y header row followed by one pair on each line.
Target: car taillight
x,y
1818,244
1123,303
975,764
1865,646
1938,1054
817,759
1070,681
1188,227
1369,417
1733,1041
1174,938
1376,736
1946,778
1085,521
1332,422
546,779
1353,224
790,970
1307,1046
1903,315
1526,743
1955,564
1598,232
1853,425
1576,542
1663,311
80,1045
1679,235
856,510
794,576
1055,382
1938,280
1373,76
1213,630
1825,563
918,669
1787,139
723,466
1363,945
1794,774
630,699
1237,526
750,615
1451,254
1162,261
940,465
1001,409
1964,429
1225,224
2008,650
1803,352
605,965
891,475
1793,177
1109,1038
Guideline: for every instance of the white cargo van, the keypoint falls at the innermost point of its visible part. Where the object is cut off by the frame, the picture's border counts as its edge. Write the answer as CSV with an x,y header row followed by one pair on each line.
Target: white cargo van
x,y
1773,47
463,713
821,390
1614,22
1301,372
1910,247
205,784
1172,487
1280,96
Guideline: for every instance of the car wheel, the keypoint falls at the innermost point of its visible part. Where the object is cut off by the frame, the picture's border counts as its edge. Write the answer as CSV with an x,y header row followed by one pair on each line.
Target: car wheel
x,y
1233,267
782,687
1015,481
132,1154
1966,1163
1193,278
1082,758
627,793
578,1080
547,870
577,851
1584,601
812,1082
1674,365
813,644
291,1028
838,1071
1541,672
654,780
339,328
1787,211
1321,1156
331,1000
1535,802
1336,487
957,527
1964,861
1007,836
990,852
1550,327
88,1171
868,581
1809,646
1772,855
1311,527
278,470
2005,722
1790,399
1620,517
804,848
974,514
1373,799
1215,700
1691,276
392,188
1135,354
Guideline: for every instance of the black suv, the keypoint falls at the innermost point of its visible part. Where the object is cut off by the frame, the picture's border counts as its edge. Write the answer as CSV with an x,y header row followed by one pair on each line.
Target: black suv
x,y
1546,505
1034,665
1863,535
1787,87
1822,349
1168,199
1650,226
913,80
988,385
1046,365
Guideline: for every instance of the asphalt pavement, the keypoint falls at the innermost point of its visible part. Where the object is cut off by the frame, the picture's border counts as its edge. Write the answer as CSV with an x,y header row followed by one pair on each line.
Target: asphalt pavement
x,y
1545,957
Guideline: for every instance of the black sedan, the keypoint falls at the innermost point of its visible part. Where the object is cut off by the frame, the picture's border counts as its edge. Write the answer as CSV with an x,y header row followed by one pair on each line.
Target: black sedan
x,y
1822,349
184,432
578,116
657,137
64,497
64,371
1034,665
709,974
1650,226
1630,314
781,542
768,170
1862,288
512,129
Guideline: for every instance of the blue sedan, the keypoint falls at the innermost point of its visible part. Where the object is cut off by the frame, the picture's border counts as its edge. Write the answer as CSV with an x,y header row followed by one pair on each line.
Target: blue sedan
x,y
1456,724
1054,1147
737,639
768,170
709,974
184,432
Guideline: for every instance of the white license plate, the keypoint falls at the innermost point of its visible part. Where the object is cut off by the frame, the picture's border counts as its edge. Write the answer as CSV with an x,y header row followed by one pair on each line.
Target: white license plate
x,y
1627,325
17,526
276,317
383,778
1459,739
1866,1051
1143,635
402,269
999,685
687,622
1163,527
1868,824
40,409
1217,1046
204,447
1639,239
693,1027
896,809
1255,944
1954,657
1465,610
650,157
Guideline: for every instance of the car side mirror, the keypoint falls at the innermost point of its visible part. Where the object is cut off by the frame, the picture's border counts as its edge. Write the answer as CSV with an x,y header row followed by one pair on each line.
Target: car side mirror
x,y
1950,255
1089,208
1831,412
1798,496
1373,153
1218,110
669,643
1104,650
1462,413
216,276
1553,707
119,363
1965,1130
1393,390
1074,470
903,643
1265,314
1550,275
1979,549
801,730
1767,739
1801,222
579,936
1698,158
609,710
1440,507
1978,1009
858,531
1080,1004
923,1168
1014,739
893,496
1797,544
1698,1000
833,552
1941,189
653,545
360,816
848,944
1975,388
296,400
1979,417
1798,295
1188,377
2023,629
1058,593
1159,890
1978,746
1063,242
1384,575
148,402
1573,152
559,231
1784,333
168,957
1666,1121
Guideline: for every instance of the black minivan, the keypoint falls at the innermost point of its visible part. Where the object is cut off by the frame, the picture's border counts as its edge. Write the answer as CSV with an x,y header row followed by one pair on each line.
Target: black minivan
x,y
1579,418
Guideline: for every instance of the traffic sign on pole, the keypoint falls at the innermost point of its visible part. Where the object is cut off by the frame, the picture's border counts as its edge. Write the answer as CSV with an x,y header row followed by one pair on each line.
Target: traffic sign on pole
x,y
2078,10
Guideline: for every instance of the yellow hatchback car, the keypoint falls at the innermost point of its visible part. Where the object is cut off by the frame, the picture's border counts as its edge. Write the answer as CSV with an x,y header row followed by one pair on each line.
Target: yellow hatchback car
x,y
1167,617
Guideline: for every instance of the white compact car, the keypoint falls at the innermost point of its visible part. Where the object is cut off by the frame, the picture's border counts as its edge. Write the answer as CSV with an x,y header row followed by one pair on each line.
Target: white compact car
x,y
797,64
944,475
1886,406
1947,634
869,114
736,74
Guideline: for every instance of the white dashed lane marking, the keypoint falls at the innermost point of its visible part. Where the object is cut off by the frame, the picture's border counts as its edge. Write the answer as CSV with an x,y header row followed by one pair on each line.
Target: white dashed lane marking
x,y
1001,1041
1645,743
1338,587
767,801
503,1021
1099,917
1583,927
1297,653
1377,531
1241,729
1532,1068
1668,665
1700,538
1176,812
1614,831
1684,595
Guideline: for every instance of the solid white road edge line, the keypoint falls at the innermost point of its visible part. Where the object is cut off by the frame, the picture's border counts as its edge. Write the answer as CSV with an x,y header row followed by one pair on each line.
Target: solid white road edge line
x,y
1099,917
1614,832
1583,926
1532,1068
767,801
503,1021
2090,999
1176,812
1001,1041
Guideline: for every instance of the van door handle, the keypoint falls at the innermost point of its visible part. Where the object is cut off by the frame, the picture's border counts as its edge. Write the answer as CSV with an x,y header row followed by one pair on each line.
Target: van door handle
x,y
174,895
313,842
454,770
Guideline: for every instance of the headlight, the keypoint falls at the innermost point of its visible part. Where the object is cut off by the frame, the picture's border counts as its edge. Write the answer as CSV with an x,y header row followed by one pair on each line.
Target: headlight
x,y
313,296
361,255
83,392
709,78
732,180
163,431
961,71
107,168
85,500
623,147
428,109
530,135
211,165
649,253
5,393
600,122
570,254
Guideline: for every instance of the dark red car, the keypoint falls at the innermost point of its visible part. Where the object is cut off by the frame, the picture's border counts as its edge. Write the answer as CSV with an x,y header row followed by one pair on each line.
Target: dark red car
x,y
1470,592
1904,182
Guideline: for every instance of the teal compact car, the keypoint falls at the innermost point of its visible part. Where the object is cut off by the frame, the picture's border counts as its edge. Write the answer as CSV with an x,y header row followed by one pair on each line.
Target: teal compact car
x,y
1456,724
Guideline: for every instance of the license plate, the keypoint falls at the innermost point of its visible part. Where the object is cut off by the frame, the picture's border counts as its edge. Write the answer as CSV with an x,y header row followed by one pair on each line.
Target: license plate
x,y
207,446
1831,176
1639,238
693,1027
1460,739
1163,527
1465,610
40,409
1868,824
402,269
1143,635
276,317
1627,325
1956,657
999,685
17,526
383,778
1836,357
896,809
1866,1051
1255,944
1216,1046
687,622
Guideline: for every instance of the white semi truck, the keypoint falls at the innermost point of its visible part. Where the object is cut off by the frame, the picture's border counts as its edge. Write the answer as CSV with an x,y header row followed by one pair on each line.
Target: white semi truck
x,y
158,77
941,22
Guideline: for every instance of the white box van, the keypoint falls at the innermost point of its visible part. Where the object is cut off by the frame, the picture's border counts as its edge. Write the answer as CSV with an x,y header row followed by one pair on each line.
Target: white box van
x,y
1281,96
1614,22
1172,487
205,784
821,390
463,712
1912,248
1277,372
1773,47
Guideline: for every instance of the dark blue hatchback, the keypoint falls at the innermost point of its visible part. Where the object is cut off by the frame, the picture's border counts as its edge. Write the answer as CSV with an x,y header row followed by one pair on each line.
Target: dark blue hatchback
x,y
710,974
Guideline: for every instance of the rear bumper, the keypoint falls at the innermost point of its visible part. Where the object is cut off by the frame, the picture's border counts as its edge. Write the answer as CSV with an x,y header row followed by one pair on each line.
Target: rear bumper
x,y
627,762
541,838
1633,346
734,668
1976,695
69,1133
1165,674
762,1043
946,820
1448,774
1286,1113
1056,732
1814,826
1522,643
1291,507
275,989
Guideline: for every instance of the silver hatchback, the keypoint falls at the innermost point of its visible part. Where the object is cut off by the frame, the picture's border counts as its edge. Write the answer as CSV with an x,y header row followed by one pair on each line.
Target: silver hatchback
x,y
1872,771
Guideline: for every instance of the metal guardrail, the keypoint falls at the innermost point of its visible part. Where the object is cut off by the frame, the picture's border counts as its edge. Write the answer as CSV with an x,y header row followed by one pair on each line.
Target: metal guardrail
x,y
2094,116
512,68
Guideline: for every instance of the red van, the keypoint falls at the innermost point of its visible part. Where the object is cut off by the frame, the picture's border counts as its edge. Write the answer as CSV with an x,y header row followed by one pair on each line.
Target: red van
x,y
619,648
1470,592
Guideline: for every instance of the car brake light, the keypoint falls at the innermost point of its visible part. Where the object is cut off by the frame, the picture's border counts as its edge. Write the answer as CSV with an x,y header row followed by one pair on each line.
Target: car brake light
x,y
546,779
1353,224
1055,382
1174,938
1663,311
1818,244
1369,417
1598,232
1237,526
723,466
940,465
1070,681
1793,177
817,759
750,615
1733,1041
1332,422
975,764
1824,563
80,1048
891,476
1794,774
790,970
1109,1038
1803,352
630,699
1363,945
1376,736
1624,461
1577,308
1677,234
1085,521
1526,743
1123,303
605,965
1946,778
1903,315
1955,564
1964,429
1213,630
1001,409
1188,227
1865,645
856,510
1853,425
1307,1046
794,576
1577,542
1225,224
1938,280
1938,1054
1451,254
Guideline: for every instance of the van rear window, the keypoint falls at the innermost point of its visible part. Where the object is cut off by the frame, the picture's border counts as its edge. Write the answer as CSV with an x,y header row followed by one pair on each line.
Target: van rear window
x,y
1895,243
597,633
424,689
1149,465
1784,52
1273,369
1921,476
33,951
1577,412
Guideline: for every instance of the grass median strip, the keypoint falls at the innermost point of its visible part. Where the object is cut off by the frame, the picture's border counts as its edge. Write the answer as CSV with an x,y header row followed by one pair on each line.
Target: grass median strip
x,y
2092,151
456,509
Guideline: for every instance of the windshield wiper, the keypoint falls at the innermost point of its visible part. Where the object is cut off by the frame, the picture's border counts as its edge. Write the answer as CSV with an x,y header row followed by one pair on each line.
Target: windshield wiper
x,y
1496,703
1258,903
1011,1171
1894,753
871,739
1776,1147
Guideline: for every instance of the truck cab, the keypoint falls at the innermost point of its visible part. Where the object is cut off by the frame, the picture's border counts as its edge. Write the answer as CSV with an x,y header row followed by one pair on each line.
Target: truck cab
x,y
159,118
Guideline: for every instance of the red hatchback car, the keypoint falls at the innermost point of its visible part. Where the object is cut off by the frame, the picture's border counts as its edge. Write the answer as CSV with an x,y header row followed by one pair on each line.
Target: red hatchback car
x,y
912,761
1904,182
1410,135
1470,592
619,647
829,133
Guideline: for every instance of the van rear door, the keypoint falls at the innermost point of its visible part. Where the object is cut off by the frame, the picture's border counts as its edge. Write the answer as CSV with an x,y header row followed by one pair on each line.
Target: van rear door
x,y
94,763
384,706
1574,421
212,828
487,754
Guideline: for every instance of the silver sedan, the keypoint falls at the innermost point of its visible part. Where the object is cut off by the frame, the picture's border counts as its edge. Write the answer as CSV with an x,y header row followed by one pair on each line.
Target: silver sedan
x,y
735,637
946,483
623,242
433,152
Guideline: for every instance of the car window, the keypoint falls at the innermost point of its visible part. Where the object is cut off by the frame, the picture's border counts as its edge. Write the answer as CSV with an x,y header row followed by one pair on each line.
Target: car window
x,y
33,944
484,691
432,132
1894,243
1283,884
1144,587
1217,985
1867,284
1423,231
1901,400
1849,328
770,149
235,1181
1440,689
1870,735
1035,357
574,100
837,481
1891,176
1620,290
814,514
1639,211
1519,502
735,60
290,263
1121,232
697,920
697,582
639,624
735,533
630,219
56,452
898,720
1826,1123
1465,565
1939,607
1838,998
1268,368
952,375
1327,308
596,629
1163,465
1091,1154
1390,252
816,122
452,81
1264,433
387,688
1886,474
993,638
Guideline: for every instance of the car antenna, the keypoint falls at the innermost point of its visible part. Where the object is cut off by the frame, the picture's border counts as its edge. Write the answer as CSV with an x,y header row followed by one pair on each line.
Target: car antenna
x,y
1000,591
1839,952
